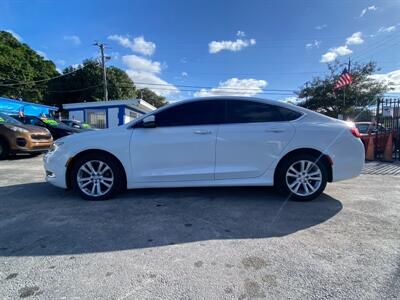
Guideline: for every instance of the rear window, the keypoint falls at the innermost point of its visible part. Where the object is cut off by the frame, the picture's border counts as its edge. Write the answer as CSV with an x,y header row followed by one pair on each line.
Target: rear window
x,y
239,111
362,128
288,114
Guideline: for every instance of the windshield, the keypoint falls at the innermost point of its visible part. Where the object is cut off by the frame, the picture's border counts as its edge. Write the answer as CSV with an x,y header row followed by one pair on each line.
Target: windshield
x,y
362,128
7,119
55,123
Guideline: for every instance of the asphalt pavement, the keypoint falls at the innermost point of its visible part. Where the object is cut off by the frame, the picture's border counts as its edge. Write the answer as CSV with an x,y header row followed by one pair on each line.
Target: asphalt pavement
x,y
197,243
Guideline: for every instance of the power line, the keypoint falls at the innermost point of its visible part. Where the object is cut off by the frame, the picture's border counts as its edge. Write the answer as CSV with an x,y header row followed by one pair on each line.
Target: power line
x,y
208,87
42,80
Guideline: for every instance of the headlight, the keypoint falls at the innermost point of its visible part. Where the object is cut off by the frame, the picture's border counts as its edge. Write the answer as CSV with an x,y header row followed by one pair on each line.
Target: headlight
x,y
17,129
55,146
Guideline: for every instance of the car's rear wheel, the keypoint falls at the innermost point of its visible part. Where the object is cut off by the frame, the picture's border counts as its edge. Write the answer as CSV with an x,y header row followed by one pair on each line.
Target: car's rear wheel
x,y
97,177
4,150
303,177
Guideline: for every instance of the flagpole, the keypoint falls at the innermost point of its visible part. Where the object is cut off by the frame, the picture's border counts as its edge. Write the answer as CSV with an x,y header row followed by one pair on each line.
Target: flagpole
x,y
344,90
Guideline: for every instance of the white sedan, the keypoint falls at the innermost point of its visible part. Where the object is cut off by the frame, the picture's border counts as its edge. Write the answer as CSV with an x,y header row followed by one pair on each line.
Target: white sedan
x,y
218,141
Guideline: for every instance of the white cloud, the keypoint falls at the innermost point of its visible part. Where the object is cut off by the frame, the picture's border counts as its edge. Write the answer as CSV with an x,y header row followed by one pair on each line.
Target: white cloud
x,y
387,29
240,33
183,60
138,63
314,44
239,44
355,39
184,74
367,9
292,100
333,53
320,27
14,34
145,73
152,82
235,86
328,57
392,79
73,38
42,54
342,50
138,44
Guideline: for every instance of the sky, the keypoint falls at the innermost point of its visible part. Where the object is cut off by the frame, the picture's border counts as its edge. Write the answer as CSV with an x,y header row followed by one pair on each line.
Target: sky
x,y
183,49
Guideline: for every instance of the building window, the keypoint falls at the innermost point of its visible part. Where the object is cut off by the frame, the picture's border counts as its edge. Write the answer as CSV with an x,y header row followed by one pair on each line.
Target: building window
x,y
133,115
97,118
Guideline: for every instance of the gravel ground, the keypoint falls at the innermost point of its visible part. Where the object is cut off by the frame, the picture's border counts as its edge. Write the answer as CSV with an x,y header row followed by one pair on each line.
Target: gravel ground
x,y
208,243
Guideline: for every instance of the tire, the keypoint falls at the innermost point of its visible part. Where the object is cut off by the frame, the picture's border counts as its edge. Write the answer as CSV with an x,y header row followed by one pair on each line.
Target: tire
x,y
105,172
302,186
4,149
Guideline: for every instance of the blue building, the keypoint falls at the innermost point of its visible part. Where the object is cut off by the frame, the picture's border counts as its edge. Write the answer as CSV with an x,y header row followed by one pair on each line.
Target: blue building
x,y
107,114
11,106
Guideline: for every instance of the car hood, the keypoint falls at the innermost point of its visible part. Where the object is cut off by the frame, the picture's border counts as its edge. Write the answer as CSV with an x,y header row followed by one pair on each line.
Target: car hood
x,y
30,128
87,134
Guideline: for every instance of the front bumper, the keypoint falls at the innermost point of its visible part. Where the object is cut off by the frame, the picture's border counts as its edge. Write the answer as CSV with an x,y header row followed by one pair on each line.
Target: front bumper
x,y
55,168
24,144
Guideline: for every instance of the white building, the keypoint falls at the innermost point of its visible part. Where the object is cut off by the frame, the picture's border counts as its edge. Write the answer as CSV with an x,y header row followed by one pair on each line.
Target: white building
x,y
107,114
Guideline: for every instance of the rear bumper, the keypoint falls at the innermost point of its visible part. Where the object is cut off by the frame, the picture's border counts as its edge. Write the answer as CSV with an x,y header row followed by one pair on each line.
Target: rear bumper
x,y
348,156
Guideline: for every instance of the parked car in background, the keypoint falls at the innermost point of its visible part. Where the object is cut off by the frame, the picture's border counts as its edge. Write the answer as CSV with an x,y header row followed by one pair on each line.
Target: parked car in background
x,y
56,128
77,124
381,134
216,141
16,137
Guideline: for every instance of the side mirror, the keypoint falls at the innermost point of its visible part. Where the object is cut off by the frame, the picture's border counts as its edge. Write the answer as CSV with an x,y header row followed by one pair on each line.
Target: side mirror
x,y
149,122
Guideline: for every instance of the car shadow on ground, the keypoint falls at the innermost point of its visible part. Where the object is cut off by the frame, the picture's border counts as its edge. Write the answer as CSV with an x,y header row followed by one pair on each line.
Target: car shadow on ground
x,y
20,156
38,219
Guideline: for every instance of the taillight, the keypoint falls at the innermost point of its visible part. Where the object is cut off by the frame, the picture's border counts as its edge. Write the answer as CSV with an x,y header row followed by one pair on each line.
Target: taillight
x,y
354,131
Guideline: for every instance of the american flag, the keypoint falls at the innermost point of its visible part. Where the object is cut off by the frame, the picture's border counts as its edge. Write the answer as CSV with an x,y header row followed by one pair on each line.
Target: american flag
x,y
344,79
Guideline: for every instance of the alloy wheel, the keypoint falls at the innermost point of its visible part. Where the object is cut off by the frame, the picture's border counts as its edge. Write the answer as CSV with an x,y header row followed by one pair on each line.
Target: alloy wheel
x,y
303,178
95,178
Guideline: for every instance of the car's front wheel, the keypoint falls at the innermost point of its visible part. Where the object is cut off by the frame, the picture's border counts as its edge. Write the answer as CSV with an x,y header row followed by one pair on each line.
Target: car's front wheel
x,y
302,177
4,150
97,176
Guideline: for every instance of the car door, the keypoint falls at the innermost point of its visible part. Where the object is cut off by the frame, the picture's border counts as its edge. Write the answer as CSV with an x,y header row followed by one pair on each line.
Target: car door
x,y
181,146
254,135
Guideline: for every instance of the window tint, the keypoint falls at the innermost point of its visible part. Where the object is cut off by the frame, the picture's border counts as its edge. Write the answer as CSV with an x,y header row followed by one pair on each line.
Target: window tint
x,y
192,113
251,112
288,114
33,121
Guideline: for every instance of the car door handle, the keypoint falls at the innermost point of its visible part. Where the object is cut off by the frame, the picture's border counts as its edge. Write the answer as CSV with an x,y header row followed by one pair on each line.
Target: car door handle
x,y
274,130
202,132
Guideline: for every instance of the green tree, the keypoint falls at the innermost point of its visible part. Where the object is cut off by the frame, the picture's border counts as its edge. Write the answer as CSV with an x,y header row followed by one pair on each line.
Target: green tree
x,y
151,97
318,94
85,83
20,67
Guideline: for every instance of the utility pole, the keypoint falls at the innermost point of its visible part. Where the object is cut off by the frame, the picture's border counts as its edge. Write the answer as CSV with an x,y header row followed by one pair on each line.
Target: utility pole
x,y
103,63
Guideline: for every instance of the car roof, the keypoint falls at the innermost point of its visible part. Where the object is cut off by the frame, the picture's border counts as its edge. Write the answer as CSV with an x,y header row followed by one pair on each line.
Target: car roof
x,y
243,98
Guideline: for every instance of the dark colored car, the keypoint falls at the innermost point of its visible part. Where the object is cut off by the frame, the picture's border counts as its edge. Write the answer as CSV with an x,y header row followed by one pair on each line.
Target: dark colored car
x,y
56,128
77,124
